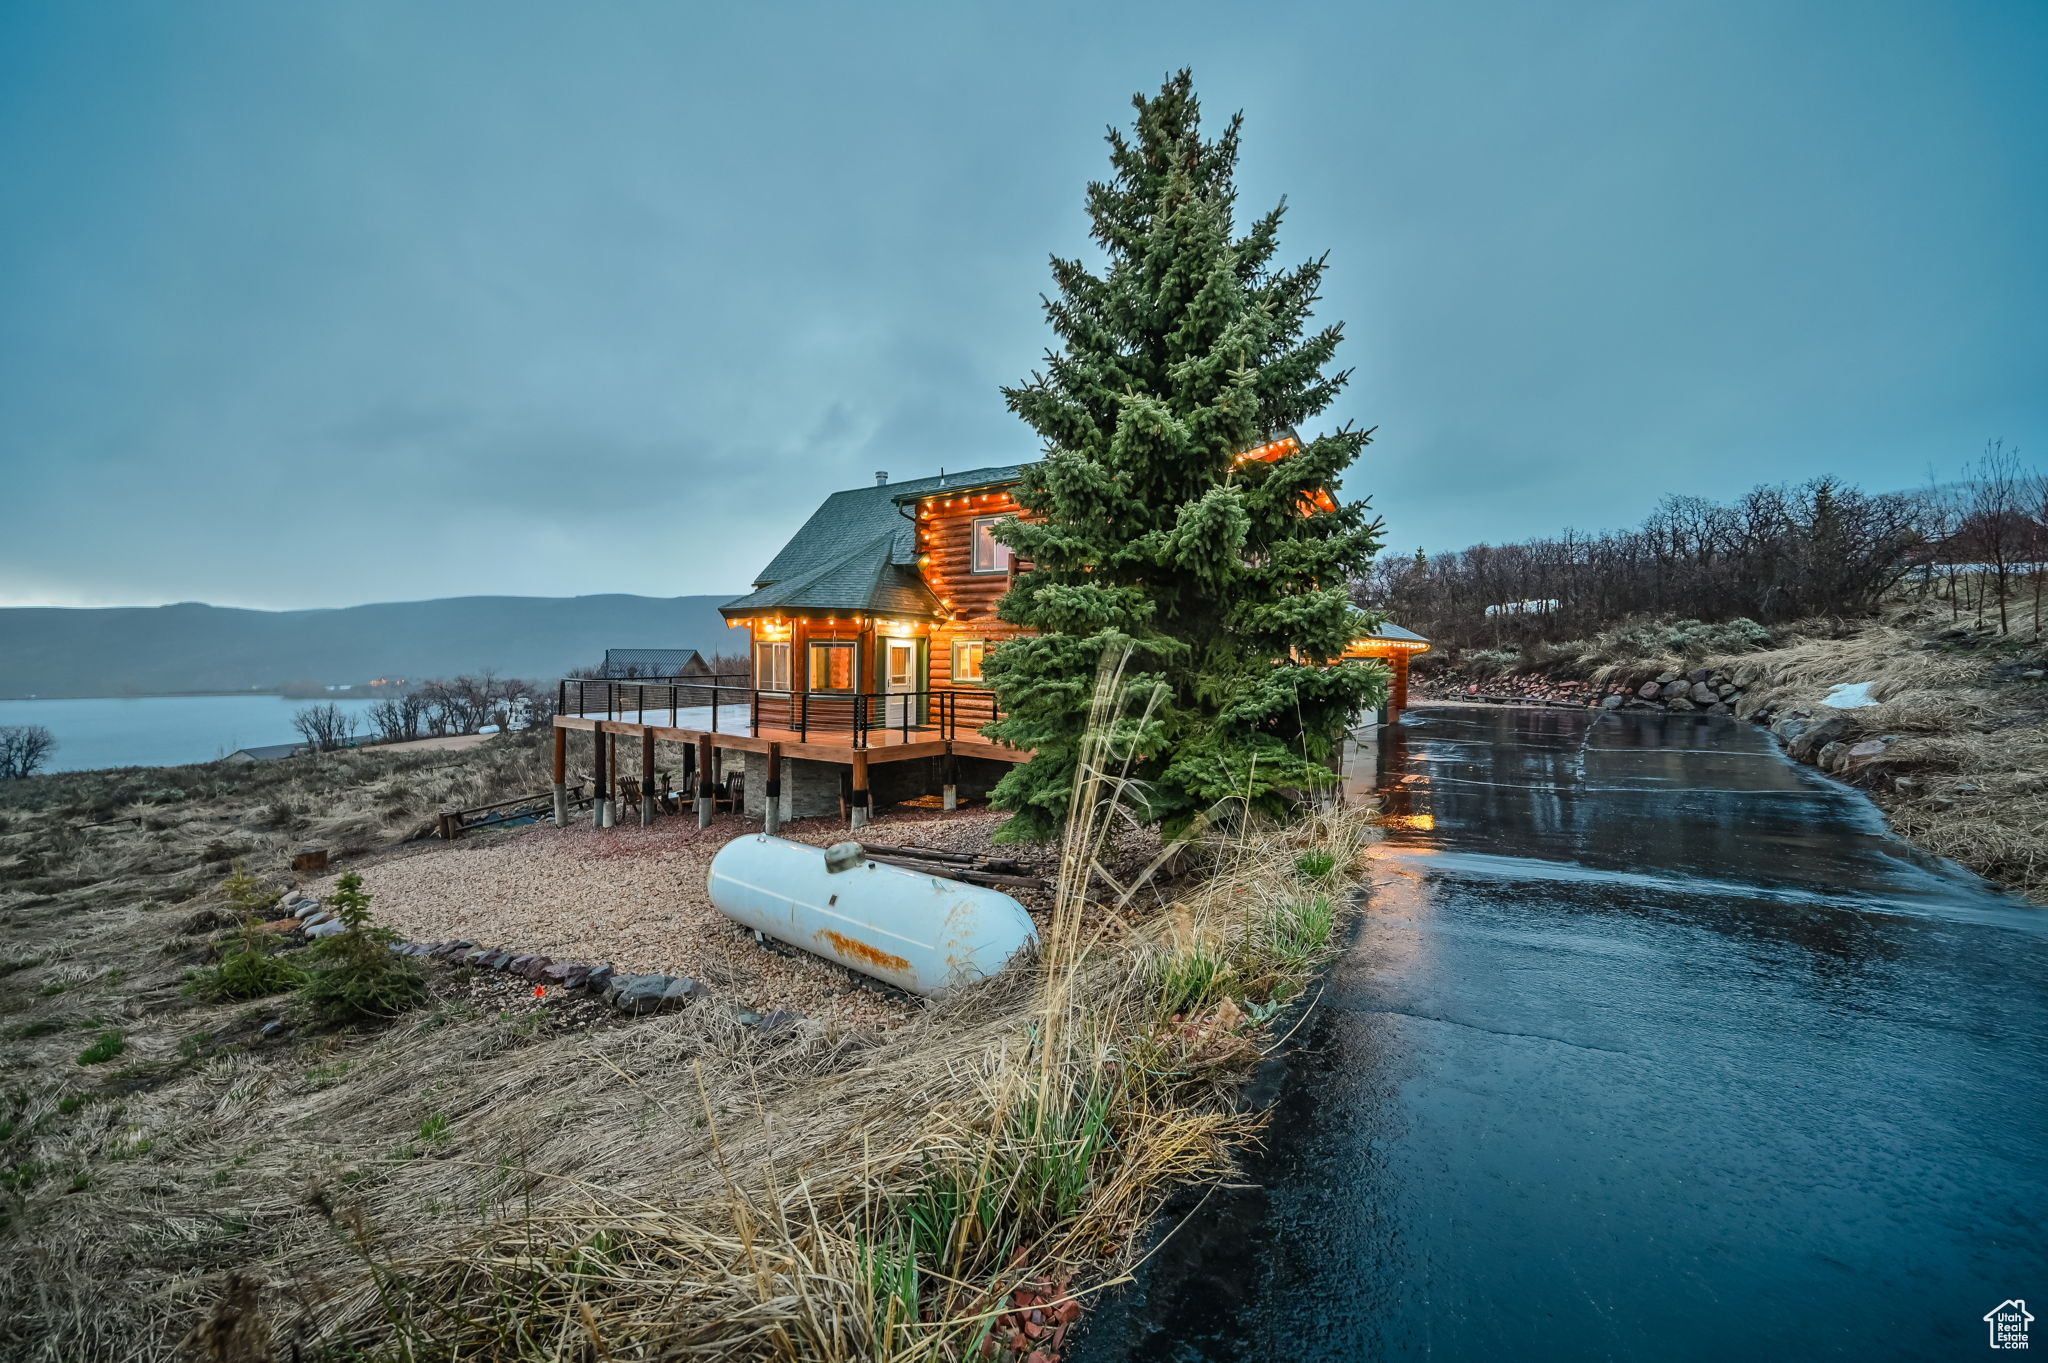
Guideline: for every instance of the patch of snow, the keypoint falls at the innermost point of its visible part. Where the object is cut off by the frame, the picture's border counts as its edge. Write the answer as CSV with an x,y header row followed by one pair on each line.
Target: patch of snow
x,y
1850,696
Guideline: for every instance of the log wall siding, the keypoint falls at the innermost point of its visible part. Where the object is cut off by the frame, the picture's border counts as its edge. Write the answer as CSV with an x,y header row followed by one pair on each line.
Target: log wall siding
x,y
946,543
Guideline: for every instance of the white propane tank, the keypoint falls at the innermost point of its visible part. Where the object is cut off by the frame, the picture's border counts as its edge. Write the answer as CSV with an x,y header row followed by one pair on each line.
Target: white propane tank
x,y
918,932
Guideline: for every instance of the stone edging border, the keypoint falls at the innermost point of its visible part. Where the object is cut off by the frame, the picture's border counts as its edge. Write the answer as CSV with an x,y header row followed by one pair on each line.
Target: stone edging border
x,y
633,995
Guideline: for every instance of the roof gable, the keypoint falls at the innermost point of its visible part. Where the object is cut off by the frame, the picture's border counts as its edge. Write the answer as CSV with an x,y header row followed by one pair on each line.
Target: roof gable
x,y
852,519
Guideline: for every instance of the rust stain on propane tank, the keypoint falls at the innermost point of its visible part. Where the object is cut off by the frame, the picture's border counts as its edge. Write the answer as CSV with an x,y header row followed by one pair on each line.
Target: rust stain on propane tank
x,y
861,951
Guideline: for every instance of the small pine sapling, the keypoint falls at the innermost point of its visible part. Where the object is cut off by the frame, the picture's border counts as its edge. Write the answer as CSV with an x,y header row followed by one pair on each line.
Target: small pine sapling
x,y
356,977
249,967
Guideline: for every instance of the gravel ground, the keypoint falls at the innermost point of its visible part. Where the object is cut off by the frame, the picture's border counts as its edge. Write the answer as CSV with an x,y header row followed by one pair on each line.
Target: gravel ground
x,y
635,897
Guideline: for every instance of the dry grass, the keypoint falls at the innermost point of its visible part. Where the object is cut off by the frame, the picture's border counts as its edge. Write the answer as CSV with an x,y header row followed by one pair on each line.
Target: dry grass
x,y
484,1183
1966,772
887,1207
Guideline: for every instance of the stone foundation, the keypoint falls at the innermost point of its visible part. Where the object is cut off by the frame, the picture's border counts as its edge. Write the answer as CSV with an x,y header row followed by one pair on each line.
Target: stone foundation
x,y
810,790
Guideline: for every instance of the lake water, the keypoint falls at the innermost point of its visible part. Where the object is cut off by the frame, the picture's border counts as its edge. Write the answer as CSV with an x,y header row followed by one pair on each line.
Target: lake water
x,y
162,731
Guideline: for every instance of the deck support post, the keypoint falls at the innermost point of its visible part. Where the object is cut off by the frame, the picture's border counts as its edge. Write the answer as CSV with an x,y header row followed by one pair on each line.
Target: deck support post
x,y
601,797
647,776
561,778
705,757
1397,694
859,804
771,804
951,789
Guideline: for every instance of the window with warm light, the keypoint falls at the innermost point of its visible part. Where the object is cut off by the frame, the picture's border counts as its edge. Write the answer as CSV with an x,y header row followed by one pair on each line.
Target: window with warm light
x,y
967,658
990,555
771,667
832,666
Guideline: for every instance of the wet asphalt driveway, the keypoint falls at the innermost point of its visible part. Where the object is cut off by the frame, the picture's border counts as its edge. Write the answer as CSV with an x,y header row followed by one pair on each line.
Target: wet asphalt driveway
x,y
1650,1045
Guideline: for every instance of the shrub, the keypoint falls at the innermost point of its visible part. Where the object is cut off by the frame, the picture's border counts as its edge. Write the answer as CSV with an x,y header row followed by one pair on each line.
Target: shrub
x,y
1296,933
1491,662
1188,979
356,977
105,1047
250,967
1688,639
1315,864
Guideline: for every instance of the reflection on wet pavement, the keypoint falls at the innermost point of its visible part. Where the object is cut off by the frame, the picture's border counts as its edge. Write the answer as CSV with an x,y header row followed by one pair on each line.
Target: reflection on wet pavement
x,y
1651,1044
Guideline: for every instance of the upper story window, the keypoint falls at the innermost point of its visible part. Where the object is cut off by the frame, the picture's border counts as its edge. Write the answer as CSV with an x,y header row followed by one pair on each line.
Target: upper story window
x,y
990,556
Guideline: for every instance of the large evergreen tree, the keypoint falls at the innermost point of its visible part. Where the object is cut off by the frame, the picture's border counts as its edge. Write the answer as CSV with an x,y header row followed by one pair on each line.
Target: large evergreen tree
x,y
1227,578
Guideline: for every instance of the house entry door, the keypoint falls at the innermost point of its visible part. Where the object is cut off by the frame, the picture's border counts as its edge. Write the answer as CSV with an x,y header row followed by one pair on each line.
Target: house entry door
x,y
899,677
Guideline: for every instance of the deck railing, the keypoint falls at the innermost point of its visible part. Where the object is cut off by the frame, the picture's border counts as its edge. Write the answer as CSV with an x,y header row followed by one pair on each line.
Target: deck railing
x,y
862,718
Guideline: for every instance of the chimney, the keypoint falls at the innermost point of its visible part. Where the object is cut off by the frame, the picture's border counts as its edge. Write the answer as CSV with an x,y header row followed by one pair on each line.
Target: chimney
x,y
881,477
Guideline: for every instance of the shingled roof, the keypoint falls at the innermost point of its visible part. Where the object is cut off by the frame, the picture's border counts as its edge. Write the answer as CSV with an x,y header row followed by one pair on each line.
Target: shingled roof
x,y
650,662
858,552
865,580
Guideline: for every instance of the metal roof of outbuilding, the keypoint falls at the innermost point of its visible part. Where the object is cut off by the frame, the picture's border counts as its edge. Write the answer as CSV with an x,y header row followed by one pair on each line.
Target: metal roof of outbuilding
x,y
649,662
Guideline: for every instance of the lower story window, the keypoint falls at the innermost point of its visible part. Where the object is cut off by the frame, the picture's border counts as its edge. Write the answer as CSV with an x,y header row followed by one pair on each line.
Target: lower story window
x,y
832,666
967,658
771,667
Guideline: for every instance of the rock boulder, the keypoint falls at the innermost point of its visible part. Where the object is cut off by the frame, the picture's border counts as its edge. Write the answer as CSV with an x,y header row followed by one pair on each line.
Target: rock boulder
x,y
1811,739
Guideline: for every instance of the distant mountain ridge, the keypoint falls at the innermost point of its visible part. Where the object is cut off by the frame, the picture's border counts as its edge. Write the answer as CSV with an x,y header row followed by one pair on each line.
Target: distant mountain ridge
x,y
154,650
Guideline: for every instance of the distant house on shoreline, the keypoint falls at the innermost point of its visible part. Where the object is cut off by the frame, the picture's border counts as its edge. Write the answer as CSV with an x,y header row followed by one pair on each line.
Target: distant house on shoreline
x,y
269,752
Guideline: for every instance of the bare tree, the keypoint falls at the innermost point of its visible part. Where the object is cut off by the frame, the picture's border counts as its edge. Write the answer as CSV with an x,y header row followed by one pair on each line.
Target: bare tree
x,y
2035,500
465,704
1775,554
534,706
1996,530
24,748
398,719
325,727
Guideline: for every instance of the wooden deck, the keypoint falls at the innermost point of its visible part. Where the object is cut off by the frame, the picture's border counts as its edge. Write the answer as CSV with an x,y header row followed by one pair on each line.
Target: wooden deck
x,y
735,734
817,726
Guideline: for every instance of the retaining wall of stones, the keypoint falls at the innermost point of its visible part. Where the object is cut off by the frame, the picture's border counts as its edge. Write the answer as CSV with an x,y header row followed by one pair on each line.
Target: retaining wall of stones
x,y
1704,688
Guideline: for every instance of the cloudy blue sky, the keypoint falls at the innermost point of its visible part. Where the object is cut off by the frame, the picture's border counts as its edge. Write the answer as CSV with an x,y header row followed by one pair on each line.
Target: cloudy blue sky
x,y
320,304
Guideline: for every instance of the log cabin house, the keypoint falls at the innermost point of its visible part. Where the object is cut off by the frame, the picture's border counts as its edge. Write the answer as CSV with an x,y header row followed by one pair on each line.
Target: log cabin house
x,y
888,590
892,590
868,633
